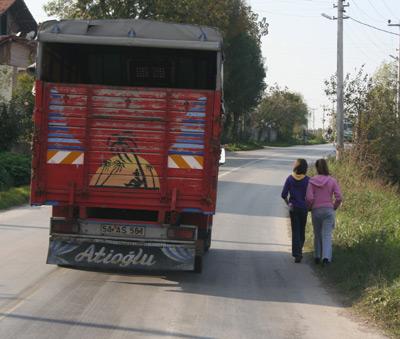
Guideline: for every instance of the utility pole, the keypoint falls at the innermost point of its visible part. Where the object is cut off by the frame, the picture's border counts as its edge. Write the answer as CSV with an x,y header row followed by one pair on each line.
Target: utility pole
x,y
340,105
398,69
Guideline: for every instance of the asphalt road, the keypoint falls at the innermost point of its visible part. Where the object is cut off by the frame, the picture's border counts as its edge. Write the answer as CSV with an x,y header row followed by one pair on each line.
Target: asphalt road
x,y
249,288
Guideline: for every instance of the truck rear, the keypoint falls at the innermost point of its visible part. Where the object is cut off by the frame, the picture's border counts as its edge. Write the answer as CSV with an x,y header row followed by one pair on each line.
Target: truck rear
x,y
127,142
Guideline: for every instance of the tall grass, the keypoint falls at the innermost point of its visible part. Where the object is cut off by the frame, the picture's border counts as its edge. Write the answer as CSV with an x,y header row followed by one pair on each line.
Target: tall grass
x,y
14,197
366,263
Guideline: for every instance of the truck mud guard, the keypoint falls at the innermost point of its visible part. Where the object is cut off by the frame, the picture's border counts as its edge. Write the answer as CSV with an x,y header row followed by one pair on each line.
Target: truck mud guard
x,y
121,255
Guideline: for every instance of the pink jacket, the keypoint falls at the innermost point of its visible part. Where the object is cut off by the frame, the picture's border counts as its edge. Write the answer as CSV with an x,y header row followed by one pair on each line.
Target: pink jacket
x,y
321,190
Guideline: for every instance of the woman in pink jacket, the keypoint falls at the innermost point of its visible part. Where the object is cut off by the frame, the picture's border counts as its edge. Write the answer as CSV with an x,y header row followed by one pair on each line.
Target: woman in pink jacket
x,y
323,197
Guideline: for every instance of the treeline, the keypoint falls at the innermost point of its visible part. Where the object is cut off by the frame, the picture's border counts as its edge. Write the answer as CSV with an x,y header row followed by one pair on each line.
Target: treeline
x,y
241,28
371,107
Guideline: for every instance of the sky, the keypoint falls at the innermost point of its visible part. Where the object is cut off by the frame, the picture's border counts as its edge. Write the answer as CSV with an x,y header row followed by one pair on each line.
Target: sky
x,y
300,49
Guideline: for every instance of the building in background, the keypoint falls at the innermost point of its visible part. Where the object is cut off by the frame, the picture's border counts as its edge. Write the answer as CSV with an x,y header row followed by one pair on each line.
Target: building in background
x,y
17,45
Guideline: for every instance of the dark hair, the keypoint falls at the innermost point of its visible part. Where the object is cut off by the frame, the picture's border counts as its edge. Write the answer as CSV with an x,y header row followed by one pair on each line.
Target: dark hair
x,y
301,167
322,167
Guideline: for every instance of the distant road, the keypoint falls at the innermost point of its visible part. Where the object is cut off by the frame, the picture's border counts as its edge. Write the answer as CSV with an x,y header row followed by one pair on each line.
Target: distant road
x,y
249,288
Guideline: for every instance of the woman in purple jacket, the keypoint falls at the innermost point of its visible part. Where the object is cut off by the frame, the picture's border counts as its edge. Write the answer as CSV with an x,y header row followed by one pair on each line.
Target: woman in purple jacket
x,y
295,187
323,198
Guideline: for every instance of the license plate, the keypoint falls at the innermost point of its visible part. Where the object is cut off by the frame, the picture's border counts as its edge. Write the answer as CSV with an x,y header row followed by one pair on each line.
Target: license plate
x,y
122,230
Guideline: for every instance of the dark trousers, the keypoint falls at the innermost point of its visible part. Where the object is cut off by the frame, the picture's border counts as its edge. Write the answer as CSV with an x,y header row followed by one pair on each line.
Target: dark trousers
x,y
298,220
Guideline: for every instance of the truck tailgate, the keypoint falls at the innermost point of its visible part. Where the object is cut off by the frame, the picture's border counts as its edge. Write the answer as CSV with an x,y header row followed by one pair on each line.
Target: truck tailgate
x,y
124,147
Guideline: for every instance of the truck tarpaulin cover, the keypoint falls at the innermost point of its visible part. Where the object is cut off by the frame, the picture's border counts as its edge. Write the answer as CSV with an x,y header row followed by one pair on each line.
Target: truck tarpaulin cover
x,y
128,32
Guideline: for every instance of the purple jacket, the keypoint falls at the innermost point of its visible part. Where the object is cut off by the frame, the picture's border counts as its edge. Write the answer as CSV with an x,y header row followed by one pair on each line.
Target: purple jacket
x,y
296,189
323,191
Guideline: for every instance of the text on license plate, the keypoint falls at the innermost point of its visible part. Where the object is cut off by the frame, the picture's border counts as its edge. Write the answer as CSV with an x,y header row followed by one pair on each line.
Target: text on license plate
x,y
135,231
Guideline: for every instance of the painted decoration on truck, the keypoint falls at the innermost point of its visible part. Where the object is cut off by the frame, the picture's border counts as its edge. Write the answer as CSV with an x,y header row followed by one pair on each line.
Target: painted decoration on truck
x,y
64,157
126,168
187,152
63,148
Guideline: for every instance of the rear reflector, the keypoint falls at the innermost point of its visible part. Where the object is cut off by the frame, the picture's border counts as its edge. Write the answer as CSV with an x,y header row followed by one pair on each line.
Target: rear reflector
x,y
181,233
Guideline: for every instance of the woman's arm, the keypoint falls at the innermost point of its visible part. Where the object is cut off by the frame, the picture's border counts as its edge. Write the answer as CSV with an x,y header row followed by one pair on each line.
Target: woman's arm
x,y
337,194
285,191
310,196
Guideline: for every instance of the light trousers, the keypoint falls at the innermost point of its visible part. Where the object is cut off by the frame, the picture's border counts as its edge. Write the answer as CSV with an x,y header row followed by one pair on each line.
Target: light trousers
x,y
323,220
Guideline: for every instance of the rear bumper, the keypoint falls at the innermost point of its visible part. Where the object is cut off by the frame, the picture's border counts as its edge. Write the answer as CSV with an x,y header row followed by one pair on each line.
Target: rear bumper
x,y
120,254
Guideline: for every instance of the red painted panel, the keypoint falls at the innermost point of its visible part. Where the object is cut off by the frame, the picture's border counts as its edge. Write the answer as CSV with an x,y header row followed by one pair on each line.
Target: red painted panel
x,y
125,147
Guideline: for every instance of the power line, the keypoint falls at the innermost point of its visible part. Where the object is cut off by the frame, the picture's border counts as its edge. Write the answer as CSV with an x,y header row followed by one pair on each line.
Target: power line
x,y
365,13
374,27
387,7
378,12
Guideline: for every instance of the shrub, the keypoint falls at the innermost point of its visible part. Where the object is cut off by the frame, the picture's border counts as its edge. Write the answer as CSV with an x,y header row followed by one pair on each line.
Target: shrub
x,y
15,170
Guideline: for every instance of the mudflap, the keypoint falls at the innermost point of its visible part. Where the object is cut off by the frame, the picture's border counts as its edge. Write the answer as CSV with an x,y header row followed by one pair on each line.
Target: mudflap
x,y
121,255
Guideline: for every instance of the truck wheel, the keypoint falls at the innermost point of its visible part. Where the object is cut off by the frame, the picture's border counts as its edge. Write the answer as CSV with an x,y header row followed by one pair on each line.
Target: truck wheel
x,y
207,242
198,264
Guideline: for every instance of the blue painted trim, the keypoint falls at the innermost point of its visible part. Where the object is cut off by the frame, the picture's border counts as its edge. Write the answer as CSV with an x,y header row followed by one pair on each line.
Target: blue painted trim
x,y
65,129
192,130
64,148
196,115
57,118
197,109
177,145
192,121
51,203
56,107
55,96
192,210
183,141
185,153
193,135
67,141
62,135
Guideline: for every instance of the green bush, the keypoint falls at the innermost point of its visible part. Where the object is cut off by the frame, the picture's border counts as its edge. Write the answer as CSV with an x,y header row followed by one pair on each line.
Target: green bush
x,y
9,128
15,170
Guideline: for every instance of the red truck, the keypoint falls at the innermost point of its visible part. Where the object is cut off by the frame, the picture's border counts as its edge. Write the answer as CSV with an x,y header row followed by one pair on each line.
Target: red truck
x,y
127,142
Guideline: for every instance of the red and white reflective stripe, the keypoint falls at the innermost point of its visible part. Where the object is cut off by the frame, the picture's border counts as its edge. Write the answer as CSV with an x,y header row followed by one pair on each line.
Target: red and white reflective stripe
x,y
65,157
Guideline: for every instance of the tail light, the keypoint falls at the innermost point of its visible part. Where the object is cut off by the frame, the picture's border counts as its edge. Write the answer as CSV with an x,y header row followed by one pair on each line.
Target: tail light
x,y
63,225
182,233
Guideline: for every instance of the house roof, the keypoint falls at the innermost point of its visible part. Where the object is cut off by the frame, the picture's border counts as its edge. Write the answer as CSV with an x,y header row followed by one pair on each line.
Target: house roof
x,y
5,4
130,32
20,13
12,38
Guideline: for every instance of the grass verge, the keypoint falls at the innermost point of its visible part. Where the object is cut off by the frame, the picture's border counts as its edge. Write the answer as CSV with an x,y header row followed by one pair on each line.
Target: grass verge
x,y
249,146
366,251
14,197
243,146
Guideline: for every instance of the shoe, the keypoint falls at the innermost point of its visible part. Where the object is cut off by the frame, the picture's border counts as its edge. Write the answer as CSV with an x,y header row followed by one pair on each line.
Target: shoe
x,y
298,259
317,261
325,262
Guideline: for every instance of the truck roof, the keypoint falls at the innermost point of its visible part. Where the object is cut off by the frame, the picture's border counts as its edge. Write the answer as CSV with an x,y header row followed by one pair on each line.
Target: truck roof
x,y
131,32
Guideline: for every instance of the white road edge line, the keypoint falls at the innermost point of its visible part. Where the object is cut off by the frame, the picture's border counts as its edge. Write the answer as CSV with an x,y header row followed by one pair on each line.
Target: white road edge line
x,y
245,165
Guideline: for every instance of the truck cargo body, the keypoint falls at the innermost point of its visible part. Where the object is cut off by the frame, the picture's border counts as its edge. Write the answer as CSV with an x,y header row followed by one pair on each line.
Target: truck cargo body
x,y
126,148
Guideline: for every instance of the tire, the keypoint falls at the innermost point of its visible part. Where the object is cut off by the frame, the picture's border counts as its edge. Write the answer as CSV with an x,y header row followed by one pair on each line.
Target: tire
x,y
198,264
207,242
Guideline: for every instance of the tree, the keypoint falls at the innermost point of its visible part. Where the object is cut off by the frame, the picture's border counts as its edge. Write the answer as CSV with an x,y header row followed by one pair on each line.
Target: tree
x,y
240,27
370,102
282,109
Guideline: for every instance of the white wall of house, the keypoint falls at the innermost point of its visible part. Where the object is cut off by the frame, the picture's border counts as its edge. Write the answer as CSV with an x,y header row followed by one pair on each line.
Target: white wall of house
x,y
6,82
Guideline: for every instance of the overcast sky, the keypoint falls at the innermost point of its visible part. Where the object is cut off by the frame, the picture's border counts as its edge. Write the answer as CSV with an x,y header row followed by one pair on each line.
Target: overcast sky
x,y
300,50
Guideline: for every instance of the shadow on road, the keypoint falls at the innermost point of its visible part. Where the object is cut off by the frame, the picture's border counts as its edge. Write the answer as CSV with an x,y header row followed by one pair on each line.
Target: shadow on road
x,y
83,324
239,274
